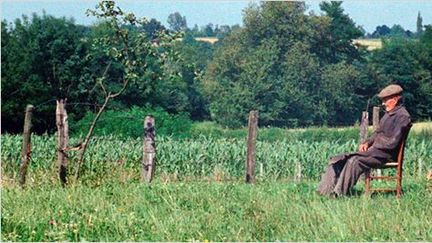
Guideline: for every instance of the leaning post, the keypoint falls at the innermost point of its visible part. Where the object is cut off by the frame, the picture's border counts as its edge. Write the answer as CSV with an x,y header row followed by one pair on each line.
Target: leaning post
x,y
251,146
26,145
149,149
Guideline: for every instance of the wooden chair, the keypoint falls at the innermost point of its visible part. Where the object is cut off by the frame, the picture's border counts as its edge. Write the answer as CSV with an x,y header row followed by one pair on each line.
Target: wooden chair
x,y
398,165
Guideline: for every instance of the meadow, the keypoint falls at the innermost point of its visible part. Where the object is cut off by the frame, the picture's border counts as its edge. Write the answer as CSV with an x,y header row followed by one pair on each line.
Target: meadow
x,y
199,195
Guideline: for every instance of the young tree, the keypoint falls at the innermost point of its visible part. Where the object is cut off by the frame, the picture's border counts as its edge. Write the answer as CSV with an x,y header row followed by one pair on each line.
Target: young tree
x,y
130,50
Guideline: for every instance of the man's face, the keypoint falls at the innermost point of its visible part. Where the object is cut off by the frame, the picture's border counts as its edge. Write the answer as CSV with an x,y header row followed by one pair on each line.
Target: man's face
x,y
390,102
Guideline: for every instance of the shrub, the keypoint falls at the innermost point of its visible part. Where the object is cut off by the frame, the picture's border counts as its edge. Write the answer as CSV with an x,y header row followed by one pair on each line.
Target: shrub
x,y
129,123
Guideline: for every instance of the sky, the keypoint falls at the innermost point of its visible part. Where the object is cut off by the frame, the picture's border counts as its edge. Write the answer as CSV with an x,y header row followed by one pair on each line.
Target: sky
x,y
366,13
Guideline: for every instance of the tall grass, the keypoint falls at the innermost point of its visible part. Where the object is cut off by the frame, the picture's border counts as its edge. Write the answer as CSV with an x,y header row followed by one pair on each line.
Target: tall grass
x,y
211,211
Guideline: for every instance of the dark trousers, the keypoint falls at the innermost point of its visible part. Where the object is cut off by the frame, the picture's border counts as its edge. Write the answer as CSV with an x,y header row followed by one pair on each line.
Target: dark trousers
x,y
341,176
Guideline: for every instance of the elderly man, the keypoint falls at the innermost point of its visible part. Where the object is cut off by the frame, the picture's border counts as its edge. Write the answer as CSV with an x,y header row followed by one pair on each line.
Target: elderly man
x,y
344,170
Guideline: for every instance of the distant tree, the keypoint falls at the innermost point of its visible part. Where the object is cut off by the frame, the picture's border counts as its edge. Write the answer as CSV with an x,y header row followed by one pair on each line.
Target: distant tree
x,y
419,24
281,67
381,31
223,31
343,30
409,33
397,31
177,22
195,29
43,59
153,27
208,30
426,38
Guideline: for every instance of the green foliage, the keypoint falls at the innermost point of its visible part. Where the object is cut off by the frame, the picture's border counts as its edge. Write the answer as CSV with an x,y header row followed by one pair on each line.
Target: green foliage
x,y
408,63
342,32
129,123
282,67
42,60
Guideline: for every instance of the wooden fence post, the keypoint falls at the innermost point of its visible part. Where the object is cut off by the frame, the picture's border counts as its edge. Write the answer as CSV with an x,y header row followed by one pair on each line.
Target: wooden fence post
x,y
26,146
298,172
149,149
364,126
62,139
375,118
251,146
375,125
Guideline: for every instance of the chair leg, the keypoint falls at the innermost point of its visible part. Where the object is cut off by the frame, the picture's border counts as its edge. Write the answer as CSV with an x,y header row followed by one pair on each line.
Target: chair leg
x,y
399,186
367,183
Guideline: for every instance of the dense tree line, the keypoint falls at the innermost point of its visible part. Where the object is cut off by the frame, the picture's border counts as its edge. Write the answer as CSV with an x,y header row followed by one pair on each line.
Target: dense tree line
x,y
296,68
300,69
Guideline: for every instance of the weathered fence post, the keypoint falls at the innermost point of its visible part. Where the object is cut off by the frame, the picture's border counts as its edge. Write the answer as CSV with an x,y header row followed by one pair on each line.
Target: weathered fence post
x,y
251,146
26,146
364,123
298,172
364,126
62,139
149,149
375,118
375,125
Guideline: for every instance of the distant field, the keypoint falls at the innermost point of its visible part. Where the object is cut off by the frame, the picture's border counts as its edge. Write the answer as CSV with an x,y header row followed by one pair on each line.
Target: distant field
x,y
211,40
371,44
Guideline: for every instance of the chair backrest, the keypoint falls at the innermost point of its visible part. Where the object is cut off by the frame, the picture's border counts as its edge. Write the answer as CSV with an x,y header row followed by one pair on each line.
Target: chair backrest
x,y
401,152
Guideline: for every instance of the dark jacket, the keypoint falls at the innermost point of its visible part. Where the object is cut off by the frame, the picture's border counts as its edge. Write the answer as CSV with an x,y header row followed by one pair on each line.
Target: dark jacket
x,y
393,127
384,142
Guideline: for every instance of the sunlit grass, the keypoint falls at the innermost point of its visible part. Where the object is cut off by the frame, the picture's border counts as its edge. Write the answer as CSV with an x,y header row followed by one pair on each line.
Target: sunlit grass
x,y
199,211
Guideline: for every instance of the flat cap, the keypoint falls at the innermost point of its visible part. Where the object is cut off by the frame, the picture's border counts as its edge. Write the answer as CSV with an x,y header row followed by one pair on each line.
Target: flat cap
x,y
392,89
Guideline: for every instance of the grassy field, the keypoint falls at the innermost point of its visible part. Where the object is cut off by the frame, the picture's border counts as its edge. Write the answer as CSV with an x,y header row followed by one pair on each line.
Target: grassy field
x,y
199,194
211,211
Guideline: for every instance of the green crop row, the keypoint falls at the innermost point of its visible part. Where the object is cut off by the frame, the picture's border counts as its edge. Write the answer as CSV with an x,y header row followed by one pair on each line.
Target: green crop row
x,y
207,156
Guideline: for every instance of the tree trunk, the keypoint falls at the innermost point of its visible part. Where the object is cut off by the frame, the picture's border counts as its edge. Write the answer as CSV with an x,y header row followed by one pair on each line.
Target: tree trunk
x,y
87,139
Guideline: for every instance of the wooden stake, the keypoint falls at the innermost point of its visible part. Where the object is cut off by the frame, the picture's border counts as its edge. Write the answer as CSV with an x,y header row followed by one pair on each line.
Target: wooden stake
x,y
149,149
364,126
62,139
375,118
375,125
251,146
26,146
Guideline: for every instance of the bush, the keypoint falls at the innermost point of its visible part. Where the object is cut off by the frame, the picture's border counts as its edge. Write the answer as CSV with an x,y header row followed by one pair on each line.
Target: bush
x,y
129,123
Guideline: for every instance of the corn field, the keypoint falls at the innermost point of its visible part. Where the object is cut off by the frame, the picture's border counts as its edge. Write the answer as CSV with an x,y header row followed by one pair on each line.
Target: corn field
x,y
203,157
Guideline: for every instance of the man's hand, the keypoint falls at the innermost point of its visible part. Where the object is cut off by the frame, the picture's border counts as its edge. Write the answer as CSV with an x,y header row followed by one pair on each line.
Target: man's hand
x,y
363,147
